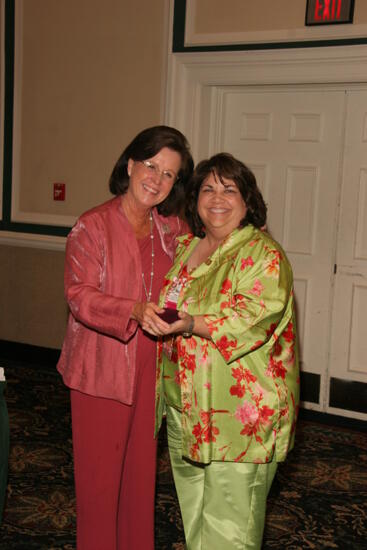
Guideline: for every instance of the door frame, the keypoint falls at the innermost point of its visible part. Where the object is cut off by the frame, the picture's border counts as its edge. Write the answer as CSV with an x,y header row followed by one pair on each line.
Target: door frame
x,y
193,79
193,96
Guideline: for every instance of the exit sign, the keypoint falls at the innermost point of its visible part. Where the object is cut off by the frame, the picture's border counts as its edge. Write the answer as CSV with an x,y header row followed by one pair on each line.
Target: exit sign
x,y
329,12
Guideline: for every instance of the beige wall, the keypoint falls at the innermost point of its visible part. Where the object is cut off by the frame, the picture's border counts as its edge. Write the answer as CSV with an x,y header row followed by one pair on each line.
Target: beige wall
x,y
360,12
260,15
90,79
33,310
248,15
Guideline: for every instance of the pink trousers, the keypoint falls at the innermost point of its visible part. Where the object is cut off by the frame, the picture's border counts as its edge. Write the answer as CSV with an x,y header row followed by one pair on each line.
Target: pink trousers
x,y
115,469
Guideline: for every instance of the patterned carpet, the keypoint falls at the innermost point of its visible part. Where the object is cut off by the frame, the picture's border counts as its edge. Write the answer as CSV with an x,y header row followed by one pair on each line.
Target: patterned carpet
x,y
318,500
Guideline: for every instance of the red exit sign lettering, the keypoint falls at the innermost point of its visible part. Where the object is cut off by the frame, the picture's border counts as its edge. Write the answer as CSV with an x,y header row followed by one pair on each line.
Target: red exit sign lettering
x,y
329,12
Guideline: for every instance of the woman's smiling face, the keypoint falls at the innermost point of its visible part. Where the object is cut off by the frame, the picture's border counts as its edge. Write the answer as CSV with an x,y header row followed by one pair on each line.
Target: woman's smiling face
x,y
151,181
220,205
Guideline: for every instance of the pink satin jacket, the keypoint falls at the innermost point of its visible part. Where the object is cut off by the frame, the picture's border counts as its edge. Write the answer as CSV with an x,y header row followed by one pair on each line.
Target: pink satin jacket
x,y
102,283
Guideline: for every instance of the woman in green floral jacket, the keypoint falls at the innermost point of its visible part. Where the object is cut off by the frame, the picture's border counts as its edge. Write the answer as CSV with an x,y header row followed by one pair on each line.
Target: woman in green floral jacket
x,y
228,368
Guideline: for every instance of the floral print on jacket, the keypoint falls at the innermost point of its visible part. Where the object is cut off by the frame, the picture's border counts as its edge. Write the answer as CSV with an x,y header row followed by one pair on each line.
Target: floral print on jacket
x,y
238,392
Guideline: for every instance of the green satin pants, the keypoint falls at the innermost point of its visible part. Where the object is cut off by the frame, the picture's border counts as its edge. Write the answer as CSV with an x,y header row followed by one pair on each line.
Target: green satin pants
x,y
223,504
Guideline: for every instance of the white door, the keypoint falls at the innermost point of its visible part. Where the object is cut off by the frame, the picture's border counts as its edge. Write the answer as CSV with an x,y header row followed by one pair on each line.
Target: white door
x,y
292,140
348,358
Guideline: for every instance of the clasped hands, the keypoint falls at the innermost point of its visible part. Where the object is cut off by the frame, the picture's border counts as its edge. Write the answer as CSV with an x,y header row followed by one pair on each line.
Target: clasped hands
x,y
146,314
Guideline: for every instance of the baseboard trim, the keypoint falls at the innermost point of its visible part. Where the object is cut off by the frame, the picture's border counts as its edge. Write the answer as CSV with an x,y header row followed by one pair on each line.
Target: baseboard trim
x,y
348,395
333,420
28,353
310,387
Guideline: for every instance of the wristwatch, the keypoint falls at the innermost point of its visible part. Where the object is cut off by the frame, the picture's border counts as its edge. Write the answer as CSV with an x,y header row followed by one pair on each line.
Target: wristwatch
x,y
188,332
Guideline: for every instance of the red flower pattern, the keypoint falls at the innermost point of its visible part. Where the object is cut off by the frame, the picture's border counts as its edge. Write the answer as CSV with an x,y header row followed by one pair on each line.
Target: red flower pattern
x,y
288,334
255,414
246,262
257,289
205,431
223,345
276,369
254,419
243,378
226,286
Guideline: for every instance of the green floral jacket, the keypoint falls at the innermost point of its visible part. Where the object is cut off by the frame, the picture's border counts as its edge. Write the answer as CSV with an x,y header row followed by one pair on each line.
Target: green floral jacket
x,y
239,391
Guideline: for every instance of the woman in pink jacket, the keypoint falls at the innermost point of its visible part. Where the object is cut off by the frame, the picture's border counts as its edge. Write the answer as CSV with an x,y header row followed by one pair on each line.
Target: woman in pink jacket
x,y
116,257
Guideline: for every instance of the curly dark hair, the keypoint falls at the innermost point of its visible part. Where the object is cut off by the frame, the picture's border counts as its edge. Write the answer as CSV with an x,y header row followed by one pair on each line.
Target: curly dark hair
x,y
146,145
224,165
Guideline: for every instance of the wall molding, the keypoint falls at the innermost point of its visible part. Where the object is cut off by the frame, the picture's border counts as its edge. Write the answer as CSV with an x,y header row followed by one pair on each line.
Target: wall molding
x,y
317,33
17,214
32,240
19,228
186,39
195,79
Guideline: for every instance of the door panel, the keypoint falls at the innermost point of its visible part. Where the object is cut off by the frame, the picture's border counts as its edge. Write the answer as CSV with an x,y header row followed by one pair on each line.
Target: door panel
x,y
349,325
292,141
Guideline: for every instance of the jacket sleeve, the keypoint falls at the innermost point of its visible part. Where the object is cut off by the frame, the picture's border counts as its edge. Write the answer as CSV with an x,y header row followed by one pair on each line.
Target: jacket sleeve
x,y
84,279
251,306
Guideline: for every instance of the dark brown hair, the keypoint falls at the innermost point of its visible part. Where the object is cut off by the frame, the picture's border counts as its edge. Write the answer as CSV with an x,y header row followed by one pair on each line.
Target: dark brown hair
x,y
146,145
224,165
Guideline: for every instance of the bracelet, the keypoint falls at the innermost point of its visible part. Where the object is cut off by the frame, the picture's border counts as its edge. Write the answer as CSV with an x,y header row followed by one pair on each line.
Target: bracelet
x,y
188,332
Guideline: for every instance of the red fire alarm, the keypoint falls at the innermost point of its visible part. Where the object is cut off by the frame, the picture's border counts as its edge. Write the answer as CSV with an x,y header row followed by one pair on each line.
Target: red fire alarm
x,y
59,191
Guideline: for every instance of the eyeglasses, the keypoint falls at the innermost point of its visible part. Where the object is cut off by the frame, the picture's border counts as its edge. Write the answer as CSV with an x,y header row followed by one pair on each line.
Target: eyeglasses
x,y
168,176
